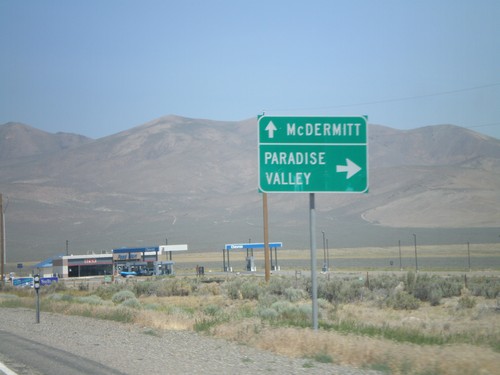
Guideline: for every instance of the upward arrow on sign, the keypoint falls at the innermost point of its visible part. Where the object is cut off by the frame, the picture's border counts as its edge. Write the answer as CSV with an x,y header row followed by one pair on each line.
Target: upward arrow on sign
x,y
270,129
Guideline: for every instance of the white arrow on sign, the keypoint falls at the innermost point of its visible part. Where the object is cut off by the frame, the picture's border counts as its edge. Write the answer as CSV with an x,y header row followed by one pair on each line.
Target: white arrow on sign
x,y
271,128
351,168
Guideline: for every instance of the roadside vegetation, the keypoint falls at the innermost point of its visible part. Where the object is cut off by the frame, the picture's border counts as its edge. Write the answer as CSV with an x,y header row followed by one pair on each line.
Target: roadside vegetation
x,y
397,324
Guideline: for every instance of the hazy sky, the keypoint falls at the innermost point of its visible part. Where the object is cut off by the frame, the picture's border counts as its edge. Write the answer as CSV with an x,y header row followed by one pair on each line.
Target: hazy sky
x,y
100,67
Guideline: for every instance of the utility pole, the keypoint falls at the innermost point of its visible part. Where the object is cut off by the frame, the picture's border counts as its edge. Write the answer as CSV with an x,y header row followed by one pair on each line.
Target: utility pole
x,y
416,260
2,242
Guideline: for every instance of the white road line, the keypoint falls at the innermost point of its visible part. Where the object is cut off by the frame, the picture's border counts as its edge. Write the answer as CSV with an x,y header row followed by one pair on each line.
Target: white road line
x,y
7,371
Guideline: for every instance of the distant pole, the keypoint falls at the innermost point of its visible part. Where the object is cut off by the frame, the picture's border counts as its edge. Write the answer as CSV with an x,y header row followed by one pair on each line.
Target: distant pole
x,y
416,260
267,265
327,255
400,263
67,247
468,254
2,235
325,268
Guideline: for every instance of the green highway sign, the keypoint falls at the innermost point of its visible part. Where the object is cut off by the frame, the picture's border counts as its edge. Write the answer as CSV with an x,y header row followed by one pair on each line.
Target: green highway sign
x,y
313,154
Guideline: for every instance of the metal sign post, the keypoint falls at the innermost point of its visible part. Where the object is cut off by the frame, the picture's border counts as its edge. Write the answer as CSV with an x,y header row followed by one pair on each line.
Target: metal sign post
x,y
36,285
312,230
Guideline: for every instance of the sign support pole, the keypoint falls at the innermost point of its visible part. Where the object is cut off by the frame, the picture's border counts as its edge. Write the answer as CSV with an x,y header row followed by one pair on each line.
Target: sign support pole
x,y
37,306
2,243
312,230
267,265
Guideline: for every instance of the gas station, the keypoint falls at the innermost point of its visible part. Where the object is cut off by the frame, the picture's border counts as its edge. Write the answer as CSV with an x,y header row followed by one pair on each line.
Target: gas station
x,y
250,260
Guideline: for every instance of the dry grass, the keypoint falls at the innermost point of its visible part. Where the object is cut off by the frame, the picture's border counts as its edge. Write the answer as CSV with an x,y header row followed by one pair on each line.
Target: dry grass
x,y
462,344
373,352
477,250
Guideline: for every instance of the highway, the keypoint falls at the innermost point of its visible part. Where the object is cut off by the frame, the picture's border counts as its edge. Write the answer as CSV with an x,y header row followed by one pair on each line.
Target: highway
x,y
23,356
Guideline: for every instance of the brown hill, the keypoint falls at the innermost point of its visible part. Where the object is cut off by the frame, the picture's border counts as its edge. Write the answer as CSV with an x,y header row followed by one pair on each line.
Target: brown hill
x,y
19,140
195,181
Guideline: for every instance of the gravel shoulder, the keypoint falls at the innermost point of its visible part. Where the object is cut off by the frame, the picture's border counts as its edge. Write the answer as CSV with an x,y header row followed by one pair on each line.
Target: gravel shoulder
x,y
134,350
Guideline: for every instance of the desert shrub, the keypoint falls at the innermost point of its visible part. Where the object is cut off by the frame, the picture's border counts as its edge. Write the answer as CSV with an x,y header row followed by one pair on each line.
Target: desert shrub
x,y
488,287
246,311
132,303
450,287
288,313
175,287
10,300
403,301
152,306
266,299
54,287
83,287
384,282
466,302
268,313
232,288
410,281
208,289
342,291
60,297
352,291
212,309
122,296
240,288
278,285
146,288
91,300
330,290
435,296
428,288
294,295
107,291
118,314
250,289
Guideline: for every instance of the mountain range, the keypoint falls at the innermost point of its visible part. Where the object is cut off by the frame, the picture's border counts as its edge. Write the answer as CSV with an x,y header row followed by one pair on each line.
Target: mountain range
x,y
194,181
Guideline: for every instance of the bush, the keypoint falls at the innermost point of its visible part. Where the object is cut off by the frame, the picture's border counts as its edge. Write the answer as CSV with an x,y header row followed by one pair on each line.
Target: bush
x,y
146,288
294,295
450,287
107,291
330,290
289,313
384,282
485,286
403,301
240,288
250,289
232,288
175,287
342,291
435,296
410,281
132,303
91,300
212,310
122,296
428,288
278,285
466,302
268,313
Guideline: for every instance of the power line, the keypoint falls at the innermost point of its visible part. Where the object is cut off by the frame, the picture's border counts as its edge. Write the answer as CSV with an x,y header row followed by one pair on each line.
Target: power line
x,y
382,101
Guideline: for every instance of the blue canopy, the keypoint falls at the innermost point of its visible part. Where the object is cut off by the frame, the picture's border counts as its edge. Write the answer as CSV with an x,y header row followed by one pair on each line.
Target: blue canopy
x,y
257,245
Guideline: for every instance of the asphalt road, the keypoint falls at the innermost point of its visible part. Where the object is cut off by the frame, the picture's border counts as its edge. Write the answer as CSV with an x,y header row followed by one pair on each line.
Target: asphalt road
x,y
24,355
